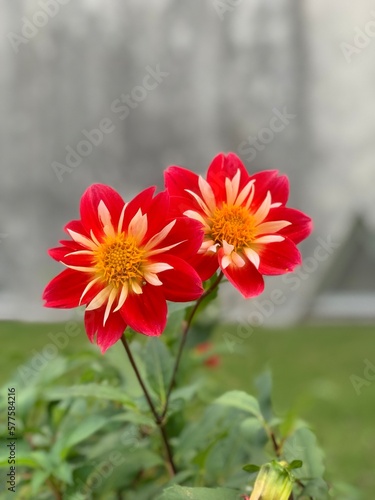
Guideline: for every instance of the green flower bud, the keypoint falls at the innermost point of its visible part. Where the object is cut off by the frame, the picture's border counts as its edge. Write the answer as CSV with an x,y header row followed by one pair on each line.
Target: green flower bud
x,y
274,482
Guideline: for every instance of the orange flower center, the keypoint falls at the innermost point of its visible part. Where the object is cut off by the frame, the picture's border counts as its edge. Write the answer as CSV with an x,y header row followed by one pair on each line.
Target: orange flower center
x,y
119,259
233,224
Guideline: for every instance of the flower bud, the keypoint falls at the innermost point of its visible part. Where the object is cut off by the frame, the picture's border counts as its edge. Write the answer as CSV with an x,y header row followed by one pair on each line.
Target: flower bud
x,y
274,482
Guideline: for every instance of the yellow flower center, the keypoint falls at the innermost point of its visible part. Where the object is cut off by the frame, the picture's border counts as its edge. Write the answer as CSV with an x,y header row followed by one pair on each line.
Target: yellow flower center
x,y
233,224
119,259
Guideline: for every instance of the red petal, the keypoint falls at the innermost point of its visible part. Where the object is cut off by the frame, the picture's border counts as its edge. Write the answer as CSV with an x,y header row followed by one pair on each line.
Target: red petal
x,y
246,279
59,253
182,283
279,258
301,225
269,180
205,264
146,313
188,231
178,179
89,207
157,214
141,201
65,290
76,226
106,335
222,167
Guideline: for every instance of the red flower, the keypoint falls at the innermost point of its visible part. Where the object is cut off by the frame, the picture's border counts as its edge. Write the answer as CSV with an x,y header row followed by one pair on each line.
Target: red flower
x,y
124,261
249,232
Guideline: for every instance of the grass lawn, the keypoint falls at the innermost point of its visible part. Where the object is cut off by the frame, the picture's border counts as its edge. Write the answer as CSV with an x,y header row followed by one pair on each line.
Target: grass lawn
x,y
312,367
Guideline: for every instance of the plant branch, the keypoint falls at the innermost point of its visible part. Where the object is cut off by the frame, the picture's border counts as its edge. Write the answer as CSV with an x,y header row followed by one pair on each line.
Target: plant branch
x,y
158,419
185,331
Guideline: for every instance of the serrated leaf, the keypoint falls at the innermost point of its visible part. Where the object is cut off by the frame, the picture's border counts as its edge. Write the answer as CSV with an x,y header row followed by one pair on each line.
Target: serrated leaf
x,y
242,401
184,493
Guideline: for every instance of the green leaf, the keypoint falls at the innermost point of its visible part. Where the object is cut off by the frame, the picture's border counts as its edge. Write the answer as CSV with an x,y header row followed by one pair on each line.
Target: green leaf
x,y
183,493
302,445
159,367
296,464
242,401
97,391
64,472
251,468
38,478
77,432
263,383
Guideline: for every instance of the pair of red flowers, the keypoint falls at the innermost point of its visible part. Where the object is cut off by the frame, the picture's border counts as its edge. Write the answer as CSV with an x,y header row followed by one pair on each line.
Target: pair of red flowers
x,y
125,260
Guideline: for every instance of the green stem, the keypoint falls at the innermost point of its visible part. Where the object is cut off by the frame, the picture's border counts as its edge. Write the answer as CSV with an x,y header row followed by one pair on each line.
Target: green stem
x,y
158,419
185,331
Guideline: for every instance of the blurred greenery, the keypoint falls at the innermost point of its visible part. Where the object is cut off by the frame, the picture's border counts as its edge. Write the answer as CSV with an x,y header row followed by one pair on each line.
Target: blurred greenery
x,y
311,366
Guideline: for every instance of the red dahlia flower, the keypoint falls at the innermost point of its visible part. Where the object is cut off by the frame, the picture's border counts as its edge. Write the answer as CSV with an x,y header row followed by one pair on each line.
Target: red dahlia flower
x,y
249,232
124,261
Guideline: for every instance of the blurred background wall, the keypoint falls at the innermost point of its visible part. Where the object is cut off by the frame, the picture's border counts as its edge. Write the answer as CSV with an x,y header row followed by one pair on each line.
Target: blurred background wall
x,y
116,91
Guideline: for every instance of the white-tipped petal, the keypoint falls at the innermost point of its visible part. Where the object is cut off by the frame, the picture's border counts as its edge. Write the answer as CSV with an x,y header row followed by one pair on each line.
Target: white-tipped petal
x,y
94,238
123,297
207,193
157,267
164,249
207,244
213,248
105,218
111,299
136,287
272,226
228,249
264,208
196,216
152,278
272,238
237,259
99,299
121,219
82,240
138,226
160,236
236,182
80,252
251,197
201,203
90,285
276,205
225,261
79,268
245,192
252,256
229,191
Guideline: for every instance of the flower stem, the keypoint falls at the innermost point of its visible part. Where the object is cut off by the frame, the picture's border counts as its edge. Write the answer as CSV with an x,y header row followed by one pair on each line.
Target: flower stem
x,y
158,419
185,331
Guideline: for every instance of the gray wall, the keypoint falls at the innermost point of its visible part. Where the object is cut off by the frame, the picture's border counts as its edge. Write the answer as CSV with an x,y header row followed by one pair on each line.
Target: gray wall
x,y
225,72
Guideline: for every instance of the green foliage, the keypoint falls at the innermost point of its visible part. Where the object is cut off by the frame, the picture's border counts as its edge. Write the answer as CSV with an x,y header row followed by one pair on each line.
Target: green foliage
x,y
85,429
181,493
